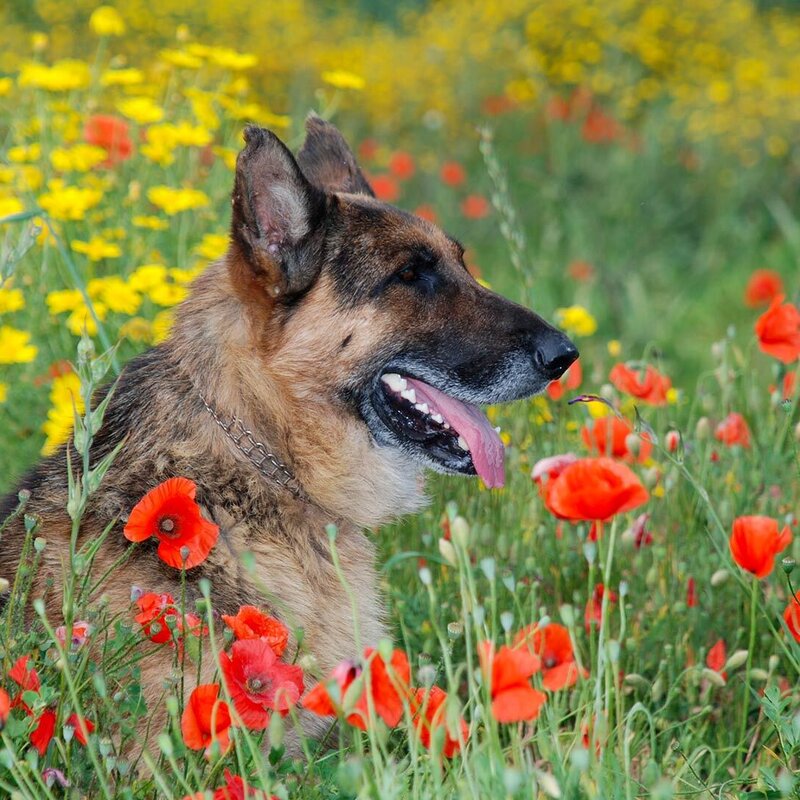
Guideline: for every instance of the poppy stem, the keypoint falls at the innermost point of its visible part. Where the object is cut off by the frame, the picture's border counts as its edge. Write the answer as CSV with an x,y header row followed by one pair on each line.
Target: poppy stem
x,y
750,647
601,635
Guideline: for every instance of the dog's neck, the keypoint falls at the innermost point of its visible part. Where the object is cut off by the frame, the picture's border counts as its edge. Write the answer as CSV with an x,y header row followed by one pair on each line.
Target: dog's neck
x,y
331,455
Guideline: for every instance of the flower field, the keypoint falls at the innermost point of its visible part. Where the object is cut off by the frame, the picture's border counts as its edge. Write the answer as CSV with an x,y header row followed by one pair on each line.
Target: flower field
x,y
622,619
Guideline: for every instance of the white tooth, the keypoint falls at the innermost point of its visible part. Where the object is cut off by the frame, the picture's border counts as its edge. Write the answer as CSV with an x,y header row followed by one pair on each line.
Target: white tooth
x,y
447,426
497,429
394,381
423,407
410,395
462,443
437,418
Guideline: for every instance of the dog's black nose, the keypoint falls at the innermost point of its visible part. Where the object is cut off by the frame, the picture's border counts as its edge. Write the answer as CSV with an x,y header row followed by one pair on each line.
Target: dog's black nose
x,y
554,355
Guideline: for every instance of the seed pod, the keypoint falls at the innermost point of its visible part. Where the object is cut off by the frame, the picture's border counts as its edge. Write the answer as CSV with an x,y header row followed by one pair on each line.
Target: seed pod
x,y
448,552
719,577
713,677
736,660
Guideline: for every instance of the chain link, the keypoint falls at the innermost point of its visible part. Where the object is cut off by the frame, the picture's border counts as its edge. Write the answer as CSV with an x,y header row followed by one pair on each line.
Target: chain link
x,y
265,462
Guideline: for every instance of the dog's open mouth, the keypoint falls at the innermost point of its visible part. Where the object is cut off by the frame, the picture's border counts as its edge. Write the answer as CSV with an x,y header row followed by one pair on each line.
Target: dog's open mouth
x,y
454,434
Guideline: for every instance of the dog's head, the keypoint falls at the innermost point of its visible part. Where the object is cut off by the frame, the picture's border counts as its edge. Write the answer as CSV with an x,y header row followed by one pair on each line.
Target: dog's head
x,y
368,314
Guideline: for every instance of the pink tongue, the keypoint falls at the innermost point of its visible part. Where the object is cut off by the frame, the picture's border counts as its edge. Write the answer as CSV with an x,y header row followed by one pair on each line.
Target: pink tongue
x,y
485,445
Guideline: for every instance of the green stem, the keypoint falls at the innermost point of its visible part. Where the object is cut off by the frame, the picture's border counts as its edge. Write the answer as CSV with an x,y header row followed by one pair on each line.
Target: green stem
x,y
750,648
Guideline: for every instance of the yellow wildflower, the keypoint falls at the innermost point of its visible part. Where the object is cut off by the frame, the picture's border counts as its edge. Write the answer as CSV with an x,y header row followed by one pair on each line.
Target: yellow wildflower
x,y
168,294
142,110
39,42
147,277
9,206
24,153
62,300
97,248
137,329
672,395
173,201
212,246
81,319
15,346
576,320
106,21
68,202
11,300
343,79
79,158
162,326
163,139
614,348
597,410
228,156
6,85
185,276
122,77
151,222
28,178
181,59
115,293
230,59
66,400
64,76
3,392
203,107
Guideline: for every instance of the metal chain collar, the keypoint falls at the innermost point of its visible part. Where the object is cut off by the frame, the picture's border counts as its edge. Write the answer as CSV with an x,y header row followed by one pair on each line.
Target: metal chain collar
x,y
268,464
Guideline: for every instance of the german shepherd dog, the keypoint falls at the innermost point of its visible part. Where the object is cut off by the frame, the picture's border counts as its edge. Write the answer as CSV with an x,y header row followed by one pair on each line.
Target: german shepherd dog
x,y
338,349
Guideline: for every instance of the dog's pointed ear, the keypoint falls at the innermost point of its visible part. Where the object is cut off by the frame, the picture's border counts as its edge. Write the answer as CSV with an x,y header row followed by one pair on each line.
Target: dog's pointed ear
x,y
275,214
328,162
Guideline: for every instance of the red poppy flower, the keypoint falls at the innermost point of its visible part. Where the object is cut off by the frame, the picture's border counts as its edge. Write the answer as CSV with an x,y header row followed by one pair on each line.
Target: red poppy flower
x,y
319,700
554,648
778,331
788,386
427,212
570,380
608,436
259,683
385,188
546,470
594,606
112,134
154,609
80,633
581,271
508,672
250,623
475,206
733,430
791,616
5,707
388,686
26,679
691,593
497,104
429,714
401,165
762,288
716,658
595,489
206,719
368,149
650,387
755,541
42,734
600,127
452,173
74,721
236,789
671,441
169,512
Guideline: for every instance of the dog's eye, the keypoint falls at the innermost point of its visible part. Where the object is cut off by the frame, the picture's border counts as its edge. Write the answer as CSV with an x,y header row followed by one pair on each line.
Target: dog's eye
x,y
408,274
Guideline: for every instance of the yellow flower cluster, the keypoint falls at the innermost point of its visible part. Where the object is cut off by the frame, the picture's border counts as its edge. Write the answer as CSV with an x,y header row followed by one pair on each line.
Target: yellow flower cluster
x,y
65,401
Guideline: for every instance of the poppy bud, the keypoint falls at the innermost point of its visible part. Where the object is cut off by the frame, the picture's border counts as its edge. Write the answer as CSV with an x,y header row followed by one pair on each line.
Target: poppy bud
x,y
4,585
172,706
606,391
39,544
459,530
703,428
774,661
448,552
637,681
757,674
426,674
713,677
165,744
797,432
506,620
672,440
276,731
651,476
455,630
425,576
657,690
308,663
735,661
719,577
788,565
633,444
